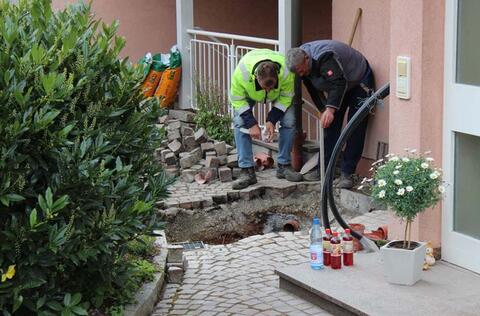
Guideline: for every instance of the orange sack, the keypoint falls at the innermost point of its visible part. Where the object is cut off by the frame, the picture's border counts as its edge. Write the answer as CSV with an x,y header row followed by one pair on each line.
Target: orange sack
x,y
151,82
168,87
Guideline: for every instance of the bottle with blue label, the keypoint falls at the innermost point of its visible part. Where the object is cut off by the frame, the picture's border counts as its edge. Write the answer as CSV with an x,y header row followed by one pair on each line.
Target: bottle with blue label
x,y
316,246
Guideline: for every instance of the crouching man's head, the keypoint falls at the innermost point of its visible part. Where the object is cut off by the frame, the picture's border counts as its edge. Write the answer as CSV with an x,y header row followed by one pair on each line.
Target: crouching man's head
x,y
299,62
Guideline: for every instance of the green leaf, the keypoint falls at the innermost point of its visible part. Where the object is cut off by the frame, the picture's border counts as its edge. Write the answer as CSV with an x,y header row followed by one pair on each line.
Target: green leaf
x,y
67,299
33,218
5,201
42,203
49,198
79,310
118,164
77,297
60,203
41,302
15,197
17,302
66,130
118,113
56,306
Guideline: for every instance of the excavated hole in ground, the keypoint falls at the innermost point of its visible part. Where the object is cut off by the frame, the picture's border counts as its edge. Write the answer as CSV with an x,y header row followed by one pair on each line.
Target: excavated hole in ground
x,y
228,223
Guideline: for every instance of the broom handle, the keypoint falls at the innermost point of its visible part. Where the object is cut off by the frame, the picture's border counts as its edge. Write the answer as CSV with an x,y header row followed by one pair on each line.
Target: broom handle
x,y
354,28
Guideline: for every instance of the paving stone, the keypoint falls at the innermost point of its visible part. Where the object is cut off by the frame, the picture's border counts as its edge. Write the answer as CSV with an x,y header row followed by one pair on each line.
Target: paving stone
x,y
201,136
212,162
232,161
174,124
222,160
220,148
210,153
173,134
175,254
172,172
189,143
187,161
182,115
175,146
208,146
225,174
188,175
163,154
175,275
236,172
197,152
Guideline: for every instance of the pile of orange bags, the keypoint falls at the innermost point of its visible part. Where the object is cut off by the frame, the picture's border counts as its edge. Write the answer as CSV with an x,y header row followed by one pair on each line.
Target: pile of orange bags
x,y
163,76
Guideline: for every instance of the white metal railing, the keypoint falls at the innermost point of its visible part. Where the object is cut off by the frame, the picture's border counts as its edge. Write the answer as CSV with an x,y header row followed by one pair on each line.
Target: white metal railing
x,y
213,58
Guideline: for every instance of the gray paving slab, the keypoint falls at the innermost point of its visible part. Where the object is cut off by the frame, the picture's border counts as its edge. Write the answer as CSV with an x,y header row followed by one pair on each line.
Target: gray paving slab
x,y
443,290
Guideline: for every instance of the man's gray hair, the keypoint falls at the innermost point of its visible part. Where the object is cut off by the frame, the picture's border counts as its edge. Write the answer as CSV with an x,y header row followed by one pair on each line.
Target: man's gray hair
x,y
295,56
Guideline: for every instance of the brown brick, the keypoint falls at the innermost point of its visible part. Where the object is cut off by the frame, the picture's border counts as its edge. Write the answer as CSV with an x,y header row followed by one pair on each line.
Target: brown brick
x,y
201,136
212,162
225,174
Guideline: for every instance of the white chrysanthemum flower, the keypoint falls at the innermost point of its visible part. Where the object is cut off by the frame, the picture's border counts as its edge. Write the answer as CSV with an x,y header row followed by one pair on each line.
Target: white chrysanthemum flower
x,y
381,194
396,172
394,158
429,159
424,165
382,183
409,188
401,191
405,159
441,188
398,166
398,182
433,175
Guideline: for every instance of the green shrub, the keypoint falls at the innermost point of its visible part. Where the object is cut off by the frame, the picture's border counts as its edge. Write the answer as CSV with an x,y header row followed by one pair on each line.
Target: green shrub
x,y
77,175
211,114
143,246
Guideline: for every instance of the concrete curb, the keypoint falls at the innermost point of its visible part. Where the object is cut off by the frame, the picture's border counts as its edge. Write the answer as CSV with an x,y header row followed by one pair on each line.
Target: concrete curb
x,y
148,295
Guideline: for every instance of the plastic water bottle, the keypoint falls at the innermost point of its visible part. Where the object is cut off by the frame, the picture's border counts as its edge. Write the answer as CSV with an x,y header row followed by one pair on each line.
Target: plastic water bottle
x,y
316,246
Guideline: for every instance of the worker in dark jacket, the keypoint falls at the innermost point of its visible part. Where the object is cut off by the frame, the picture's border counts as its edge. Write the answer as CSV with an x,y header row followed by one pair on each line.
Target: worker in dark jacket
x,y
337,78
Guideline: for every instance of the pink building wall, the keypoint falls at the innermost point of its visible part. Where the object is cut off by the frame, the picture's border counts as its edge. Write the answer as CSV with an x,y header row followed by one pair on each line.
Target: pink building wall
x,y
147,25
417,123
383,34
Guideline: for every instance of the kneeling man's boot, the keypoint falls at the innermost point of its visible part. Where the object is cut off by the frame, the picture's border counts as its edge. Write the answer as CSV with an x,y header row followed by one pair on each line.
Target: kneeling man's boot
x,y
247,178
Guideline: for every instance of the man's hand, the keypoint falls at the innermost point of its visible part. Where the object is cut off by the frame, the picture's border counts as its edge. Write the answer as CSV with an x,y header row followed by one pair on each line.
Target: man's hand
x,y
255,131
327,117
270,131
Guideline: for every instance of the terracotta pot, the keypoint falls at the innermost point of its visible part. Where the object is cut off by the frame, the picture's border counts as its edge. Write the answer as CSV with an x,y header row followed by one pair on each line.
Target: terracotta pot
x,y
360,229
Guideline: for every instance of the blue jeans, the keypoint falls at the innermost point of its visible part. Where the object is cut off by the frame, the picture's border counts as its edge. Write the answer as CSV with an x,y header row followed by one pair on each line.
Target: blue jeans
x,y
243,141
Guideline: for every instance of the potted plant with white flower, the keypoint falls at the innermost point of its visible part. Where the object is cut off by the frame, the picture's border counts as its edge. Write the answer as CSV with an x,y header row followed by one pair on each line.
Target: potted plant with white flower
x,y
408,185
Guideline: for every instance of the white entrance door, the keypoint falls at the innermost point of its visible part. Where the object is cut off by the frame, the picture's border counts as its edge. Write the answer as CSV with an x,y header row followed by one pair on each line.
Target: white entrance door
x,y
461,209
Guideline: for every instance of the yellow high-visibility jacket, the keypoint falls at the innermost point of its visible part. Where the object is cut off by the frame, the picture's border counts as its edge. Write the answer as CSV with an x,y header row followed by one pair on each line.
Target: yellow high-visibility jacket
x,y
244,85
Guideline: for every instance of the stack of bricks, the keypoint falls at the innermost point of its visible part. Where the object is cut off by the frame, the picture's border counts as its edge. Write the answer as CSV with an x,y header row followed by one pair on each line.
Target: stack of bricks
x,y
176,264
185,152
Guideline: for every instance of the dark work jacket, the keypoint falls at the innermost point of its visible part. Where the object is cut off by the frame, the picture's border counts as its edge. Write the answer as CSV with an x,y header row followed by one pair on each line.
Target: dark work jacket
x,y
335,69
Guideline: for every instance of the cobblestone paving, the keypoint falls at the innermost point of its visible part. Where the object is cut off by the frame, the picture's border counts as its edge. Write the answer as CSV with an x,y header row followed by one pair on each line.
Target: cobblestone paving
x,y
239,279
194,195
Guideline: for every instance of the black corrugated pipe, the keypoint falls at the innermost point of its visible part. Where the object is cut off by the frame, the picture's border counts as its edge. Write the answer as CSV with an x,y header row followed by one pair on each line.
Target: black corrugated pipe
x,y
327,191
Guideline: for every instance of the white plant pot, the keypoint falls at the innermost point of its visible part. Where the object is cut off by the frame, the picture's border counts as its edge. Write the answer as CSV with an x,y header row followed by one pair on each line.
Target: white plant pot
x,y
402,266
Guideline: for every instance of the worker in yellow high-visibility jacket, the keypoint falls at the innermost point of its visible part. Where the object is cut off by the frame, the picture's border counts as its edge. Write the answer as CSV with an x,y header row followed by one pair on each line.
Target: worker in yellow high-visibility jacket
x,y
261,77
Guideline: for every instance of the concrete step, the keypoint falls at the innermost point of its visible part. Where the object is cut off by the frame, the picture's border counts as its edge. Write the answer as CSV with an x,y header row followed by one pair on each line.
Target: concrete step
x,y
361,290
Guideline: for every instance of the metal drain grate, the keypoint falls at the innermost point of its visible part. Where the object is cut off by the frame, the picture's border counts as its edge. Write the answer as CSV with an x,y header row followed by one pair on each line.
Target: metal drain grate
x,y
194,245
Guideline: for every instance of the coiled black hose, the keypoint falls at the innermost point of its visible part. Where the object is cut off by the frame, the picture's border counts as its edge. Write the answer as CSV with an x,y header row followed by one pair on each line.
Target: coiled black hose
x,y
327,191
